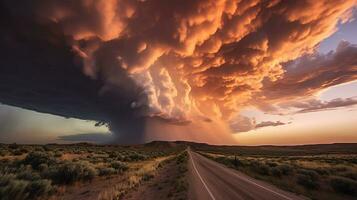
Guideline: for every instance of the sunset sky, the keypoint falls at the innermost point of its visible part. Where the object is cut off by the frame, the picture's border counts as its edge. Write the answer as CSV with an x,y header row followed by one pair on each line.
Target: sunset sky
x,y
223,72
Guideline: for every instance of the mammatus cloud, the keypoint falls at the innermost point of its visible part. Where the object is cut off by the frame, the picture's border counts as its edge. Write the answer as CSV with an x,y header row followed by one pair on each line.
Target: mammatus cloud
x,y
182,62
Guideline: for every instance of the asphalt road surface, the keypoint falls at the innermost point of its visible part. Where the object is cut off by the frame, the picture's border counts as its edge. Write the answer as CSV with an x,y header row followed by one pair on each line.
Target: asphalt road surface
x,y
210,180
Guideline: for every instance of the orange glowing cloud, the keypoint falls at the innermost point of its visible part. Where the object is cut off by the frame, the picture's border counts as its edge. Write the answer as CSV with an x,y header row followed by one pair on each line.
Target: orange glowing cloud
x,y
202,58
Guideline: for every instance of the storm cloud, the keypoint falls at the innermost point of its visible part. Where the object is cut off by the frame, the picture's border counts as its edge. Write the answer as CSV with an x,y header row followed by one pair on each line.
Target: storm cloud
x,y
312,73
308,75
122,62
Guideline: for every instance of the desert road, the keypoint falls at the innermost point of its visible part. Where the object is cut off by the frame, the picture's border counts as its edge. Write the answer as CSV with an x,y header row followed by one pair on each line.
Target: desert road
x,y
210,180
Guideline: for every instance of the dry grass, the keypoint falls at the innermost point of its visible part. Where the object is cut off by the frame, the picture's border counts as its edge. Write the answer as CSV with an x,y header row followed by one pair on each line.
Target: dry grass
x,y
13,157
71,156
138,171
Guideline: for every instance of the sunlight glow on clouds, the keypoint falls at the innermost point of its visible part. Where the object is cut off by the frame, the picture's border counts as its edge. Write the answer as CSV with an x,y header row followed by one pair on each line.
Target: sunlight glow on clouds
x,y
190,64
310,128
346,31
325,126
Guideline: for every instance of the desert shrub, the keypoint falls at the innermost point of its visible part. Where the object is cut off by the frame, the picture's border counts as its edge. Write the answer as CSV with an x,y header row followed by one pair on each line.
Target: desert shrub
x,y
343,185
322,171
181,185
306,181
182,158
308,178
135,157
182,168
261,168
271,164
121,157
223,160
70,172
12,188
181,161
285,169
46,148
351,175
337,169
311,173
353,160
28,175
106,171
120,166
39,148
112,154
17,152
13,146
126,158
58,154
5,179
3,152
24,150
39,188
35,159
276,172
43,167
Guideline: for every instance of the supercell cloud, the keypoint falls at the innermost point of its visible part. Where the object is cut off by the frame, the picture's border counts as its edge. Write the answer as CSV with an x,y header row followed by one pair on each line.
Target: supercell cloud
x,y
128,63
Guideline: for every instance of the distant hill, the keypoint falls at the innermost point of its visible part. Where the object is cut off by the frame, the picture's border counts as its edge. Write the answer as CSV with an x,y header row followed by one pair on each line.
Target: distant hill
x,y
269,150
313,149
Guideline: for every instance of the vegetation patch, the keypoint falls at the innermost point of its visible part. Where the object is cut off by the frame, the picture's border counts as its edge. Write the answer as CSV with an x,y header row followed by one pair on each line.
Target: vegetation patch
x,y
41,171
169,181
308,171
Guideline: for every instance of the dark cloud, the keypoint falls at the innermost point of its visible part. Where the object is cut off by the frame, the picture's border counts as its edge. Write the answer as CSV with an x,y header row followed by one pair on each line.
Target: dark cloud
x,y
269,123
39,71
294,106
318,105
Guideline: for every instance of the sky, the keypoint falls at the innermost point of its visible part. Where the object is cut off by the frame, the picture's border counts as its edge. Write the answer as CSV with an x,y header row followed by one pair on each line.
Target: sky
x,y
221,72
